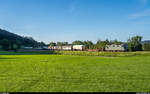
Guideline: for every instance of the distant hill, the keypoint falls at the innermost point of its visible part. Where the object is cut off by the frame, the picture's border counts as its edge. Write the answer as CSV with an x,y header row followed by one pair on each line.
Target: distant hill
x,y
146,41
25,41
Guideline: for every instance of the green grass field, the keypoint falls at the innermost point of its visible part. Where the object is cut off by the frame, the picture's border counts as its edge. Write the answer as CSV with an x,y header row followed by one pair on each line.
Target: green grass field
x,y
66,73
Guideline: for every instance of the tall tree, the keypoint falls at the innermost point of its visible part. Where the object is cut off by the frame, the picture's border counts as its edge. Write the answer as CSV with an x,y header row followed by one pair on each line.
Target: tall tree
x,y
134,43
62,43
88,44
78,42
65,43
146,46
115,42
5,44
102,44
52,44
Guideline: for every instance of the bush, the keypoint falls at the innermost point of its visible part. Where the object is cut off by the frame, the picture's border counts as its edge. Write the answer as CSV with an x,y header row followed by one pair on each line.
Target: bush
x,y
146,47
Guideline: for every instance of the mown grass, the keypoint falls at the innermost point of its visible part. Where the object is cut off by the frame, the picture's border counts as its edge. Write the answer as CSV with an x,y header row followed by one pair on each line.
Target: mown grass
x,y
64,73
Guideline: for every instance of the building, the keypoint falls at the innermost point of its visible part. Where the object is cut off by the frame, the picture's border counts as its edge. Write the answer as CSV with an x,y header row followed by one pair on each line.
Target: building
x,y
78,47
116,48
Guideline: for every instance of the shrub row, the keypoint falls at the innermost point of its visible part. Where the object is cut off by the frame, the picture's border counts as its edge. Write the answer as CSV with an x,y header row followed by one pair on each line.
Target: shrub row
x,y
111,54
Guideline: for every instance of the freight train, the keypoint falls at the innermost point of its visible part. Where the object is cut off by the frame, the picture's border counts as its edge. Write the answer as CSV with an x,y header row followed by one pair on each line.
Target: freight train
x,y
68,48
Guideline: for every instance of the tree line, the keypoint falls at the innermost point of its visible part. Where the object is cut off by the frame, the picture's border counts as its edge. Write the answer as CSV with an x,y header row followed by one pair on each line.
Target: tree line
x,y
134,44
11,41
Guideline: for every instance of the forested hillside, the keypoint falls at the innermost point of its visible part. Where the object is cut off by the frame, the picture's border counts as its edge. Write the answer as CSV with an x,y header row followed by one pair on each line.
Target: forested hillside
x,y
10,40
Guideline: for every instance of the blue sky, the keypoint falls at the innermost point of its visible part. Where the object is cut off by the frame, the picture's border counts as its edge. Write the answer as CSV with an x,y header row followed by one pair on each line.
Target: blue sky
x,y
69,20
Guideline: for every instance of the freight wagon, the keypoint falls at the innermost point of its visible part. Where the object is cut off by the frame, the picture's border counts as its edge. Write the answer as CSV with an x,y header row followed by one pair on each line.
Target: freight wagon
x,y
68,48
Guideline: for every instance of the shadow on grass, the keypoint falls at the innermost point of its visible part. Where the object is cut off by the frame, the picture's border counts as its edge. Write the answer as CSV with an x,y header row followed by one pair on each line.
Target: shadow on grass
x,y
2,58
45,52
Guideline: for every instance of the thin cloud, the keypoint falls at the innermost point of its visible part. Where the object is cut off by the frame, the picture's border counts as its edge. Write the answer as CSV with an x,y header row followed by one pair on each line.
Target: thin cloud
x,y
145,13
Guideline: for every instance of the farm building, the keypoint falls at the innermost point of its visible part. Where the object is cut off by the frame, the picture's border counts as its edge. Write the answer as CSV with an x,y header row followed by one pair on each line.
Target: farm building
x,y
116,48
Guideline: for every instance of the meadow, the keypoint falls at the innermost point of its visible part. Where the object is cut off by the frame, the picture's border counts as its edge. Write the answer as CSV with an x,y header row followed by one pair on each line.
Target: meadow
x,y
124,72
